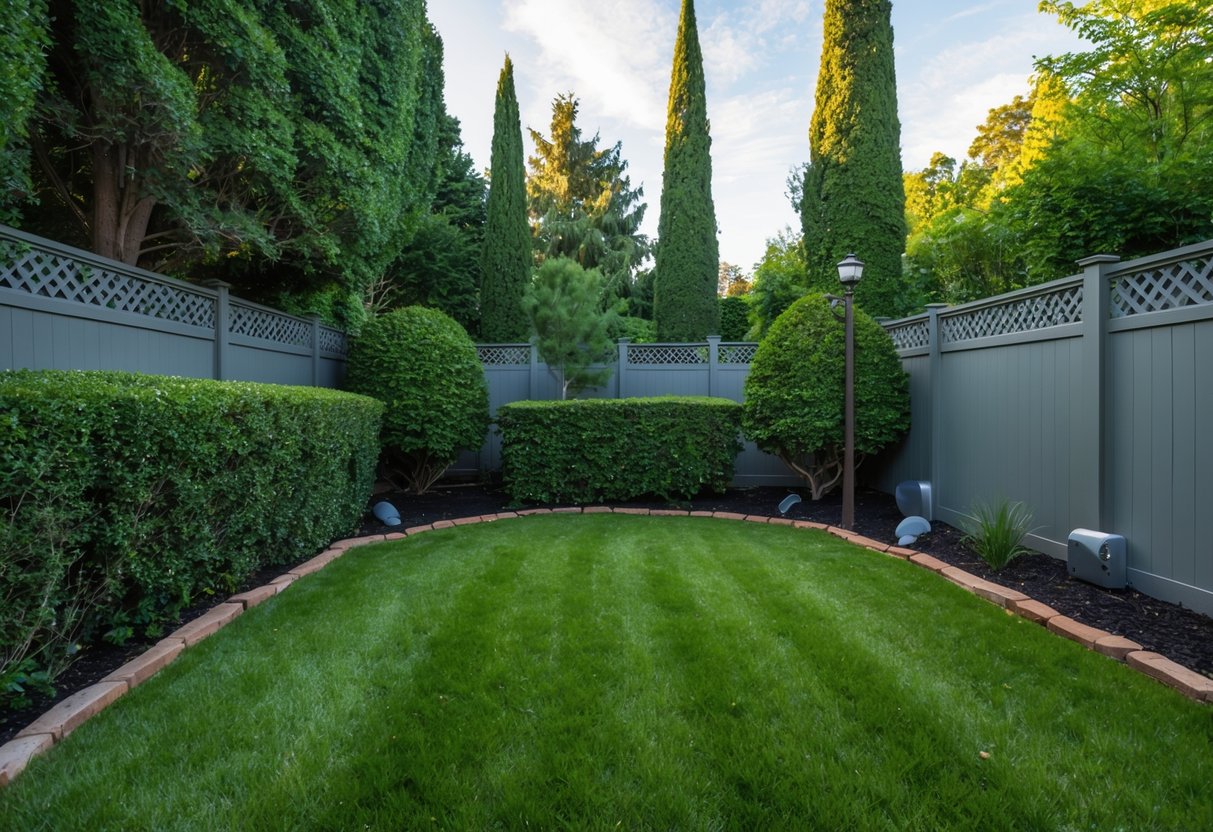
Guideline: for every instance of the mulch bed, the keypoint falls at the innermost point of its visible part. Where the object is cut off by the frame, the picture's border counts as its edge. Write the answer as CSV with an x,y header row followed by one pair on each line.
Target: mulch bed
x,y
1177,633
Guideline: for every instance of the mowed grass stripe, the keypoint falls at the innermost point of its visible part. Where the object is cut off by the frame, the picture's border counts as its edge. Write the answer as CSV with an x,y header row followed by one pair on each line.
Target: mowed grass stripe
x,y
584,672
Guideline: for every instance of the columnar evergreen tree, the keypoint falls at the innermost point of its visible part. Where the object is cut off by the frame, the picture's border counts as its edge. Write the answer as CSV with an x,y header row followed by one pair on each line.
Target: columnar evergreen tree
x,y
853,195
505,262
687,255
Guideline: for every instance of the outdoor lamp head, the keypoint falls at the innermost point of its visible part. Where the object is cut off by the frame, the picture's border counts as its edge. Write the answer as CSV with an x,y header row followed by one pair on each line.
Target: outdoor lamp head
x,y
850,271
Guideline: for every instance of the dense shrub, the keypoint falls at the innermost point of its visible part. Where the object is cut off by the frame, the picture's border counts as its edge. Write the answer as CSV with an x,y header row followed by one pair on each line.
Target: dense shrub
x,y
794,392
618,449
424,367
734,318
125,498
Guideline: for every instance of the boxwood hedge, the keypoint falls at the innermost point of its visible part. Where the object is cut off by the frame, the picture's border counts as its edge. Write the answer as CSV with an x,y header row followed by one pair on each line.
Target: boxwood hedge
x,y
124,498
591,450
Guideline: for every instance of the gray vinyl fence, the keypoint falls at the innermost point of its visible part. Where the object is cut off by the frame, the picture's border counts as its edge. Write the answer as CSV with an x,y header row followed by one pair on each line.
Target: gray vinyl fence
x,y
515,373
1090,399
63,308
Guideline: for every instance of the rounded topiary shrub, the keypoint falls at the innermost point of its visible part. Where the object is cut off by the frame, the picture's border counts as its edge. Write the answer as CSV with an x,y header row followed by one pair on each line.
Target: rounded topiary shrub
x,y
423,366
794,394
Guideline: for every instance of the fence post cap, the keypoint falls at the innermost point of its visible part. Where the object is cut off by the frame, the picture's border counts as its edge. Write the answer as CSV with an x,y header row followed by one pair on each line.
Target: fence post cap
x,y
216,283
1096,259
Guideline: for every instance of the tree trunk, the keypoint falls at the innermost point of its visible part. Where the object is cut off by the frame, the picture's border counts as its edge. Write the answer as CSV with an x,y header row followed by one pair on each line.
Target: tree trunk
x,y
120,215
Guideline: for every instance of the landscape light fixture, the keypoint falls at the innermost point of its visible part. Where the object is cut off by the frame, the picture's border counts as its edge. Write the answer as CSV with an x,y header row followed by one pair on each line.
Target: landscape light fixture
x,y
850,270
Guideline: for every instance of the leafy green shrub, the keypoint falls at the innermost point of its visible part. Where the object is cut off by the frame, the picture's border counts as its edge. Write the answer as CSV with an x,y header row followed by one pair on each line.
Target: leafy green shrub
x,y
636,330
734,318
618,449
124,498
424,367
996,531
794,393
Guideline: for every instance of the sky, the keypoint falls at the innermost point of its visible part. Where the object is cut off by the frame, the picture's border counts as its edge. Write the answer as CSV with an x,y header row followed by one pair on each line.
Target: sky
x,y
954,61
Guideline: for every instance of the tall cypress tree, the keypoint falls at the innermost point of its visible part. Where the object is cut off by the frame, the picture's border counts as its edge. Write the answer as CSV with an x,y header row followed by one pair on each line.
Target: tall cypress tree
x,y
854,198
687,256
506,258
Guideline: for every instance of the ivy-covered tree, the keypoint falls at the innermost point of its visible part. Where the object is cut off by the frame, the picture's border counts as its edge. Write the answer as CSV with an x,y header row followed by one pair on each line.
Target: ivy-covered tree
x,y
853,199
582,204
236,135
505,261
687,252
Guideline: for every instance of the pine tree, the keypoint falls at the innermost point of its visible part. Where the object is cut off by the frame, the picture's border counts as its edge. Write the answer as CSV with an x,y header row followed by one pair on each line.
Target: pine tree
x,y
854,200
506,259
684,303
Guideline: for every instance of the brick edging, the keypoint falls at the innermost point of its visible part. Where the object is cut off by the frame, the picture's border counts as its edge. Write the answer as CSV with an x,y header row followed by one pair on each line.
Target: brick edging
x,y
55,725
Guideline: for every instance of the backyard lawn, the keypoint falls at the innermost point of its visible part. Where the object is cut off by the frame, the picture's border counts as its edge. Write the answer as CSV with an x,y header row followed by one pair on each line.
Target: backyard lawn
x,y
603,672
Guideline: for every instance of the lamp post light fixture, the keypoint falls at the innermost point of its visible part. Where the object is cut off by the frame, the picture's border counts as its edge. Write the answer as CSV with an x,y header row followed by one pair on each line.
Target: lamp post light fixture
x,y
850,270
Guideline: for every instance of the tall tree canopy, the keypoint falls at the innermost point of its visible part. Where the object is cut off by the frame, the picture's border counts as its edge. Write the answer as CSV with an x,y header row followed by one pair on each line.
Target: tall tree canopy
x,y
506,258
582,205
1109,154
853,199
687,253
236,134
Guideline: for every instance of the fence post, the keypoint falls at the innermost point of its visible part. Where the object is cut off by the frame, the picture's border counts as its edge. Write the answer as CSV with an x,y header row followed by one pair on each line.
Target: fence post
x,y
713,362
934,407
222,318
315,319
621,365
1091,497
533,390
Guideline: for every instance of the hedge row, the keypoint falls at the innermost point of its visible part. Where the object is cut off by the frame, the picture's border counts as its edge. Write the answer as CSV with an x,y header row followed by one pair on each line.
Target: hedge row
x,y
618,449
125,498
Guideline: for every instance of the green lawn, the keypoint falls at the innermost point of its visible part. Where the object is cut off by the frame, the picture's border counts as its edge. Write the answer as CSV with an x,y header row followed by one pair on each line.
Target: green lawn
x,y
603,672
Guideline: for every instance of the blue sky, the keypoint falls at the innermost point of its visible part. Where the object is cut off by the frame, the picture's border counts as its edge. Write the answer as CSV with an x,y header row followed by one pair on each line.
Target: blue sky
x,y
955,60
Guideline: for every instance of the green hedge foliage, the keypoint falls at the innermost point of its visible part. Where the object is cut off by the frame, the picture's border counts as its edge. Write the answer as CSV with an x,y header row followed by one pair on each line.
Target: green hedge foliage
x,y
125,498
595,450
424,367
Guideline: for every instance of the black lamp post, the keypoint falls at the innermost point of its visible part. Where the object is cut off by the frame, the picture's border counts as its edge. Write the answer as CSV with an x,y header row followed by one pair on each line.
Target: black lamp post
x,y
850,270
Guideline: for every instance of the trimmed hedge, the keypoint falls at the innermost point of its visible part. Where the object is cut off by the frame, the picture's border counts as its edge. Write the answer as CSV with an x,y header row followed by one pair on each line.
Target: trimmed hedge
x,y
594,450
127,498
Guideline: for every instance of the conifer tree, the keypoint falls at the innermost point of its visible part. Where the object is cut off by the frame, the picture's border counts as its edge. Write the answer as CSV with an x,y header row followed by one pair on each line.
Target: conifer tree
x,y
506,259
854,199
687,255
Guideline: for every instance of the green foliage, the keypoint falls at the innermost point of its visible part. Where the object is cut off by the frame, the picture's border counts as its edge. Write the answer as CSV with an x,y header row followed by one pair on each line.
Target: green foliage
x,y
996,531
423,366
279,149
687,252
24,38
794,394
125,498
618,449
853,197
505,262
636,330
779,280
564,303
734,318
582,205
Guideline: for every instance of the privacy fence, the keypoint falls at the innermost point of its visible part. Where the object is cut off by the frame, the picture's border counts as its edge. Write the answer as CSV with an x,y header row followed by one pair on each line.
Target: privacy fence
x,y
63,308
1090,399
515,373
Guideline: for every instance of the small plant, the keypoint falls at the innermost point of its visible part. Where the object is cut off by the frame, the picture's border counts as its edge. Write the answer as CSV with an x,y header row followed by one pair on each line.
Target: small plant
x,y
996,531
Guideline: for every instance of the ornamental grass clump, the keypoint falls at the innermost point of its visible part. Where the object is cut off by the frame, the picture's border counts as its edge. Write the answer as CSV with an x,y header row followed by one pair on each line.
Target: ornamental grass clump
x,y
996,531
423,366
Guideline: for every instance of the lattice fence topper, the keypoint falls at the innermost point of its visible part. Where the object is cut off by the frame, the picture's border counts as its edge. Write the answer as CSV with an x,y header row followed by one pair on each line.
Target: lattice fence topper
x,y
667,354
736,353
1187,283
1061,306
911,336
268,326
53,276
504,356
333,341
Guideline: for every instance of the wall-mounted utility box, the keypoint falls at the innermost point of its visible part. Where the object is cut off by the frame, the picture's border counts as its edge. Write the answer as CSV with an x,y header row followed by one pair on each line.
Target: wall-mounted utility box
x,y
1098,558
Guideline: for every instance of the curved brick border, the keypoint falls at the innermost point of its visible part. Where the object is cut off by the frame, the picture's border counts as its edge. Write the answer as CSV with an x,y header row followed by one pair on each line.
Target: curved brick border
x,y
54,725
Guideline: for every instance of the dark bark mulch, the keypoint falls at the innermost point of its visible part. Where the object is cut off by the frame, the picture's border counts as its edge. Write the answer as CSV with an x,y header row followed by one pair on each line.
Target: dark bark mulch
x,y
1180,634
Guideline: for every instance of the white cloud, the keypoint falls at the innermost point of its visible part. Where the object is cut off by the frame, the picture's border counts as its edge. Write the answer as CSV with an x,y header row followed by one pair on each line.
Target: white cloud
x,y
737,42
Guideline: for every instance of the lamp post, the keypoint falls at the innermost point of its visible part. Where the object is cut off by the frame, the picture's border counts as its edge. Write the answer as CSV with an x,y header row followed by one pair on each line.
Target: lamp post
x,y
850,270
